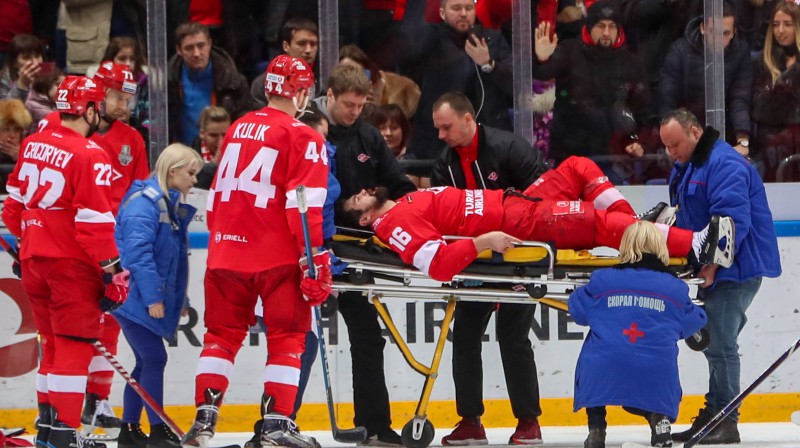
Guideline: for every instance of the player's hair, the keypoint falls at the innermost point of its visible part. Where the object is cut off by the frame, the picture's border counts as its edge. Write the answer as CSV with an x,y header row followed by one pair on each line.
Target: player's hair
x,y
641,238
684,117
187,29
215,114
347,78
14,114
117,44
176,155
457,101
296,24
312,116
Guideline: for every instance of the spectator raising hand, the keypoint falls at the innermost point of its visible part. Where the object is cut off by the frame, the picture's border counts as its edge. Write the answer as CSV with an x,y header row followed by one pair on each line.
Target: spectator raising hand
x,y
545,42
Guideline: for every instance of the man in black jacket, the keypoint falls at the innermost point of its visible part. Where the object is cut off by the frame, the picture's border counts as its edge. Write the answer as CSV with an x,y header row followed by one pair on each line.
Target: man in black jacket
x,y
480,157
683,76
457,54
363,161
602,94
200,75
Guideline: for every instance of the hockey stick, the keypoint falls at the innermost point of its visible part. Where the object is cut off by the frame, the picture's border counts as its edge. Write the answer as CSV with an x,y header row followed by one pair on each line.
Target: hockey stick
x,y
734,404
138,388
359,433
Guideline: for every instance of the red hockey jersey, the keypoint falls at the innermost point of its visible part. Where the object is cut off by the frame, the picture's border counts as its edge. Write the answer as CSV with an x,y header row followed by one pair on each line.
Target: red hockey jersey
x,y
126,150
253,219
58,198
415,226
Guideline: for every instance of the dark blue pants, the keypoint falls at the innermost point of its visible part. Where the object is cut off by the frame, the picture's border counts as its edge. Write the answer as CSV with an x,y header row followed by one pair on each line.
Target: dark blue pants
x,y
151,360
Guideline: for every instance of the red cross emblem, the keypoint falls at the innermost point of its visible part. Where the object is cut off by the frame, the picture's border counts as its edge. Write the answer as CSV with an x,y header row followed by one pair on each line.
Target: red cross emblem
x,y
633,332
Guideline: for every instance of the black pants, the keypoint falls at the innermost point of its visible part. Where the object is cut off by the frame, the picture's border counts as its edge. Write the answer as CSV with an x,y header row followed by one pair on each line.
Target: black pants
x,y
597,415
370,396
513,328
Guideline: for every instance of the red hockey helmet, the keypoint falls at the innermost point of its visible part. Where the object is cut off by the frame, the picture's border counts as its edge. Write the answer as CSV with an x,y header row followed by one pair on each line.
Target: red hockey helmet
x,y
286,76
115,76
76,92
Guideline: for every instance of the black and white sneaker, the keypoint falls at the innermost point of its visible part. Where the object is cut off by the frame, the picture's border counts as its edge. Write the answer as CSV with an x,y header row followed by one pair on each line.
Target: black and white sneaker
x,y
279,430
205,421
63,436
660,430
98,413
715,243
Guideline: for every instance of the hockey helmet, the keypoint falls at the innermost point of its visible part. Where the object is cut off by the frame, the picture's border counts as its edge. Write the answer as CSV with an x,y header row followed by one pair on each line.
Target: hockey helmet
x,y
76,92
286,76
115,76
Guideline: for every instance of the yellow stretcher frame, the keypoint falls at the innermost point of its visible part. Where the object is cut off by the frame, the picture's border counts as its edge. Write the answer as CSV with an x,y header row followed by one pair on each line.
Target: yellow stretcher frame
x,y
418,432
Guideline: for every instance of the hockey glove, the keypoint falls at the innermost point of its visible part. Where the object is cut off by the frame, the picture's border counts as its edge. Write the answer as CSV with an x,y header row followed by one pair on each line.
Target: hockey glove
x,y
116,290
315,291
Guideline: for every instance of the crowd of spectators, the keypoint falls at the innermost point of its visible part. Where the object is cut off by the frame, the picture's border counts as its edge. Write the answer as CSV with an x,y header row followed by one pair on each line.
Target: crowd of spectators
x,y
604,70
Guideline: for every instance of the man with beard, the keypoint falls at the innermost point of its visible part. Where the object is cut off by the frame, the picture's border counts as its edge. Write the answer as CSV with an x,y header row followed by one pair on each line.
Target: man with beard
x,y
549,210
456,55
601,91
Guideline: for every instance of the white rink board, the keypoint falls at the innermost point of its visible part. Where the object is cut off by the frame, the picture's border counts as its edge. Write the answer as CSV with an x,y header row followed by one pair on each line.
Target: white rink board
x,y
774,323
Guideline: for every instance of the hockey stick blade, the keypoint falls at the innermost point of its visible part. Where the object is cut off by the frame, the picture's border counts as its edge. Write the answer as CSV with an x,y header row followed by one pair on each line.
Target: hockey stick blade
x,y
355,435
796,418
639,445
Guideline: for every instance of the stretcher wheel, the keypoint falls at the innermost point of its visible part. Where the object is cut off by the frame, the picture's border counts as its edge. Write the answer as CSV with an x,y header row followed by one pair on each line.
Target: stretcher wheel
x,y
407,436
536,291
358,277
699,341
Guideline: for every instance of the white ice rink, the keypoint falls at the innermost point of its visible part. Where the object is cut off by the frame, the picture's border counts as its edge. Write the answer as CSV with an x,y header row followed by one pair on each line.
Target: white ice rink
x,y
754,435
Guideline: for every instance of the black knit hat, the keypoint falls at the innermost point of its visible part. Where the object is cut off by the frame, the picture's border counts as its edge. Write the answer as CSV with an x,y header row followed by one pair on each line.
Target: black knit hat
x,y
603,10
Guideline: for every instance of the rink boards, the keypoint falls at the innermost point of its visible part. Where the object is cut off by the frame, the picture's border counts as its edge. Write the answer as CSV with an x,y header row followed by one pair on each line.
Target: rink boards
x,y
774,323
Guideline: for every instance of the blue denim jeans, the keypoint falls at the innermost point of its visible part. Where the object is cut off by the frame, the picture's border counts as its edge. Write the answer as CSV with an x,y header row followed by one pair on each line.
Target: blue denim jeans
x,y
726,305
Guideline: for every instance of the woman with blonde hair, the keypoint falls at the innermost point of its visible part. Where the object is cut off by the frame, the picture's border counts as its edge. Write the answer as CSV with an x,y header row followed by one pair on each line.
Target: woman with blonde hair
x,y
636,311
776,95
152,237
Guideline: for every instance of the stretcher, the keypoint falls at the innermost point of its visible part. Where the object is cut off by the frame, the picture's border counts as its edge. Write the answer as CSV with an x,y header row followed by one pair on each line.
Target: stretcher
x,y
534,273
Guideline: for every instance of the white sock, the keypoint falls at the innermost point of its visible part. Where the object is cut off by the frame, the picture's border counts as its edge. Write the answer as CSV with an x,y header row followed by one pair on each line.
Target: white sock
x,y
698,238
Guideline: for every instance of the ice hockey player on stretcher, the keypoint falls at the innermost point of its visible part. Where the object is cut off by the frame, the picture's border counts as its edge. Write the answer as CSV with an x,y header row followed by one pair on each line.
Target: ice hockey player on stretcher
x,y
574,206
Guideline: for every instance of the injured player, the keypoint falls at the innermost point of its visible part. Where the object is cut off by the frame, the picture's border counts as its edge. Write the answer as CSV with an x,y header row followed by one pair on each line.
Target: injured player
x,y
574,206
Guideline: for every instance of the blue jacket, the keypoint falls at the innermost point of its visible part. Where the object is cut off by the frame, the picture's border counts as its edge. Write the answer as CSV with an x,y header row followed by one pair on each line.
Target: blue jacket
x,y
153,246
334,190
717,180
636,314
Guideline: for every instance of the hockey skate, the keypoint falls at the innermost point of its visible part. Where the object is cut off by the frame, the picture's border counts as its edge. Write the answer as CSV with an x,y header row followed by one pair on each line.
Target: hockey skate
x,y
42,424
62,436
98,413
205,422
661,213
279,430
715,243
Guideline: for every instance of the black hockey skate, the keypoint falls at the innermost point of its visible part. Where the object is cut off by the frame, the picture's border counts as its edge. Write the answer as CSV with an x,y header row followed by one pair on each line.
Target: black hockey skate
x,y
661,213
715,243
43,423
162,437
280,430
62,436
205,422
98,413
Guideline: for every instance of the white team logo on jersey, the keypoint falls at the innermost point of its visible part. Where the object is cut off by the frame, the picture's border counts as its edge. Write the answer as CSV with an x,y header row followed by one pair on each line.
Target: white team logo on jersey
x,y
125,157
218,237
